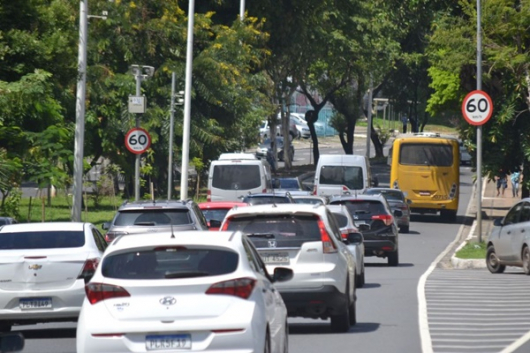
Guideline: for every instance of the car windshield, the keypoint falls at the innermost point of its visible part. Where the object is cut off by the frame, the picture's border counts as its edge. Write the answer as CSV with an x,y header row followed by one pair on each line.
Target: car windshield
x,y
215,214
362,209
284,230
266,200
391,195
342,220
351,177
169,262
312,201
289,184
155,217
42,240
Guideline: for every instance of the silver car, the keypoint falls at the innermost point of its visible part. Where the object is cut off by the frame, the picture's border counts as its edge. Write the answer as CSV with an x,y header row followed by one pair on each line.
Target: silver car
x,y
43,270
397,200
509,241
355,238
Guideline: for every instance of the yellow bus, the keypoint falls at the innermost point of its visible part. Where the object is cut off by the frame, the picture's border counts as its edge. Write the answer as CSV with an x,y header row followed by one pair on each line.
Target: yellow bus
x,y
426,167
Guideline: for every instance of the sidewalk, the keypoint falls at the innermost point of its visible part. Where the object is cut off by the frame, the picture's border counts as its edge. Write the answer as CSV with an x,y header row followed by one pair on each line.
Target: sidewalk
x,y
493,207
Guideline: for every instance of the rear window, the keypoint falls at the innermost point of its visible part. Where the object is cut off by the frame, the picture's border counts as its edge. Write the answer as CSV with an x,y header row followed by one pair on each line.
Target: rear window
x,y
351,177
236,177
285,230
440,155
156,217
215,214
42,240
342,220
359,208
388,194
309,201
291,184
170,262
266,200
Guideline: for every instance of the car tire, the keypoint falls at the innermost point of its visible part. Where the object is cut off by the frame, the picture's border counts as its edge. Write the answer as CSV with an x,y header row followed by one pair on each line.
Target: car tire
x,y
352,312
362,280
267,348
286,339
492,261
393,258
404,229
341,322
359,280
525,257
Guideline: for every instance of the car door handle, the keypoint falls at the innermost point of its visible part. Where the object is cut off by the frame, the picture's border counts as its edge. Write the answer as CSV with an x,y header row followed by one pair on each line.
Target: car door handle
x,y
509,232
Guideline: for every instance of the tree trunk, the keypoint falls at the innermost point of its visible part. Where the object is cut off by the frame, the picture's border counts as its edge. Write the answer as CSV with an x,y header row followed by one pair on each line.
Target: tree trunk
x,y
378,147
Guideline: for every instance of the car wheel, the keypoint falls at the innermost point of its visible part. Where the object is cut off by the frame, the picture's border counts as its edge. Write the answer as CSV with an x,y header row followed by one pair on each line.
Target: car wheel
x,y
5,326
404,229
267,348
341,322
526,260
393,258
286,339
352,312
492,261
360,280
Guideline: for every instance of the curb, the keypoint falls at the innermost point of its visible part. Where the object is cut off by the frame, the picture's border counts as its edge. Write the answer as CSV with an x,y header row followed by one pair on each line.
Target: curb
x,y
462,264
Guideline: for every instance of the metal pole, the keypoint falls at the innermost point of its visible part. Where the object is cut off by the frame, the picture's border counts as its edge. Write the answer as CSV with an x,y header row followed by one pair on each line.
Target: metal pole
x,y
479,128
80,113
187,102
369,127
242,10
138,156
171,128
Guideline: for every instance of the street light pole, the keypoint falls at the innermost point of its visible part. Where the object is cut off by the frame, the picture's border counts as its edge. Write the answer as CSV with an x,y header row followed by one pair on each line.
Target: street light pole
x,y
137,125
369,127
479,128
80,113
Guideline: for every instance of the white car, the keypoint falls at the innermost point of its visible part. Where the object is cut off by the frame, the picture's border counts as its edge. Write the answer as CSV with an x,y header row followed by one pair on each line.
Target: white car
x,y
43,270
307,239
192,291
355,239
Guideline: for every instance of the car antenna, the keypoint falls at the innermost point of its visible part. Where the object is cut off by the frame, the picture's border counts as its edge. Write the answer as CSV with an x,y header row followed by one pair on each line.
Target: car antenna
x,y
172,234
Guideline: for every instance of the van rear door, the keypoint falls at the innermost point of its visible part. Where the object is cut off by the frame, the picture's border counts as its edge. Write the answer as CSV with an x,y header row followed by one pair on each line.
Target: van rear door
x,y
233,179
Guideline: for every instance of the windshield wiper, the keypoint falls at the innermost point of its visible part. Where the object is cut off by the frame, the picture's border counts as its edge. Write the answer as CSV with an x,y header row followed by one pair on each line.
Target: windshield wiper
x,y
261,235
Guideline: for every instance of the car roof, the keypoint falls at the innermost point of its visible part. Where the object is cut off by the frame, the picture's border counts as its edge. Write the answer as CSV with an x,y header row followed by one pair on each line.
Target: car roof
x,y
286,208
384,189
154,204
196,237
220,204
44,226
376,197
270,194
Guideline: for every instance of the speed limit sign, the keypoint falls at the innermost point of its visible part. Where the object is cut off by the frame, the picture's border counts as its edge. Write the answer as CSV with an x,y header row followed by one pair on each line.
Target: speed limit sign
x,y
477,107
137,140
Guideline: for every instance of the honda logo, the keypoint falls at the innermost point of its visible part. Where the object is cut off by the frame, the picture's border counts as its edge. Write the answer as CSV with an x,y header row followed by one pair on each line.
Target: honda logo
x,y
168,301
272,243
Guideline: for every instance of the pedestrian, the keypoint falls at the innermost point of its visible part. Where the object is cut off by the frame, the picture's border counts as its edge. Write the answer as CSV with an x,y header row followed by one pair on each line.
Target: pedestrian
x,y
404,121
270,158
502,182
516,179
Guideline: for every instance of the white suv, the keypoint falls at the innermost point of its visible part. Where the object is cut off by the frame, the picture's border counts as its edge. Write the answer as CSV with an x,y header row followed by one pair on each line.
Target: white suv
x,y
306,239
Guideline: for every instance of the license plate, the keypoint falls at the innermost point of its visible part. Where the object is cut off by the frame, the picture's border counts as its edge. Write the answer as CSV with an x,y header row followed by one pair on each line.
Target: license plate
x,y
167,342
275,258
35,303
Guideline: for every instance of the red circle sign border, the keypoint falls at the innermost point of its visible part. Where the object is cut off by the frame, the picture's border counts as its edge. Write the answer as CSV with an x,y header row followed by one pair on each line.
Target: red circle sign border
x,y
490,102
132,131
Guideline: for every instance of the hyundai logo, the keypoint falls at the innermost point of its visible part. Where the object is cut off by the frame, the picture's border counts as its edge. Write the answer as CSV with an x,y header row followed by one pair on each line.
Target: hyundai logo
x,y
272,243
35,267
168,301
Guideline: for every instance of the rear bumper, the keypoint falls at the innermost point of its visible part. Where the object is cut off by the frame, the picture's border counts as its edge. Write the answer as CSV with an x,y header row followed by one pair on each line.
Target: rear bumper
x,y
379,246
315,303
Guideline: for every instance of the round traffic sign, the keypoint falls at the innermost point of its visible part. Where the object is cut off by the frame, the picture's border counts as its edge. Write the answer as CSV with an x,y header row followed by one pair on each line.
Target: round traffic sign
x,y
137,140
477,107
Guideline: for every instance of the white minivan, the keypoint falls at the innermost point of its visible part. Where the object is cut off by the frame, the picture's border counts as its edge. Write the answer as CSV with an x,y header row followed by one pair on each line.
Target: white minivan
x,y
342,175
235,175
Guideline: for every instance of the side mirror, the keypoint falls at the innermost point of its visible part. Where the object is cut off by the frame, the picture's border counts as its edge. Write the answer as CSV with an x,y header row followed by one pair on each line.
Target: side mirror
x,y
105,225
363,227
355,238
498,222
282,274
11,342
398,213
214,223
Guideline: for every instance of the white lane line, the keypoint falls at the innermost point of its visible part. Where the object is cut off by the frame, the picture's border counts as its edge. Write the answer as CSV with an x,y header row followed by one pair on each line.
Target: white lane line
x,y
423,318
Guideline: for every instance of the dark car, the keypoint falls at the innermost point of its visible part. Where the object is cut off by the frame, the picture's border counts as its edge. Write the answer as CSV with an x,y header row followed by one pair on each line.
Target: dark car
x,y
261,151
268,198
7,220
397,201
155,216
372,215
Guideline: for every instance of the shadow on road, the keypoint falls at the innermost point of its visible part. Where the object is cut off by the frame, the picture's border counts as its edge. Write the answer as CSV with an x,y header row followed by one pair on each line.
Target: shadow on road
x,y
368,264
324,328
49,333
370,285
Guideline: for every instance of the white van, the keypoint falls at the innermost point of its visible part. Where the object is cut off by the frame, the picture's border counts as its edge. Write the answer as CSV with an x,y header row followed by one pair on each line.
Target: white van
x,y
236,174
342,175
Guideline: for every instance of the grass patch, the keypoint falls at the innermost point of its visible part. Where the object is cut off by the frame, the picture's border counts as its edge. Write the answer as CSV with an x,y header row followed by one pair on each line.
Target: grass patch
x,y
472,250
430,127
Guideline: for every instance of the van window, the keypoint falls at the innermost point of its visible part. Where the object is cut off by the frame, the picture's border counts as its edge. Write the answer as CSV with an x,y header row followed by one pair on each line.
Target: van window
x,y
426,154
236,177
351,177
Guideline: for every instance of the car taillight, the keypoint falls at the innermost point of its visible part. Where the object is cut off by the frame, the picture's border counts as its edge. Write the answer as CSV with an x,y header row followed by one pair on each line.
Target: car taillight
x,y
225,224
404,207
110,236
328,246
345,233
89,268
209,195
386,218
345,190
314,189
239,287
264,191
96,292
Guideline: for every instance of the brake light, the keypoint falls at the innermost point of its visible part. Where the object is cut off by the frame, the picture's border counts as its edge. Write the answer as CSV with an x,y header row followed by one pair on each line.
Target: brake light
x,y
345,190
315,189
345,233
225,224
386,218
404,207
239,287
209,195
109,237
96,292
328,246
264,191
89,268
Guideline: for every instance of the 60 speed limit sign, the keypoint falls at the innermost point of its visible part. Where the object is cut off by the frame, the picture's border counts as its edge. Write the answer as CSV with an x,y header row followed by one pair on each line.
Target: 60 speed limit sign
x,y
137,140
477,107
